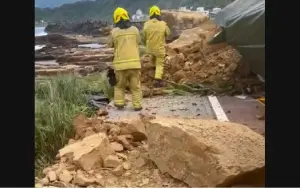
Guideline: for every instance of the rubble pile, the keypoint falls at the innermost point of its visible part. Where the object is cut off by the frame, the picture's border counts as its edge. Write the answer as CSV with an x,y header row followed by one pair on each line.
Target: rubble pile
x,y
181,20
106,154
178,21
157,152
190,60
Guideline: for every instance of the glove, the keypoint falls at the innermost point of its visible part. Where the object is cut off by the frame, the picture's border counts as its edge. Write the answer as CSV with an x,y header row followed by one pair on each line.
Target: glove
x,y
111,77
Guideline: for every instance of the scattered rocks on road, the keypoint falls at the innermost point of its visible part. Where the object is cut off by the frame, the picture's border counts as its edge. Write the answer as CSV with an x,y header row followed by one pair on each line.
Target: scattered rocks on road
x,y
198,153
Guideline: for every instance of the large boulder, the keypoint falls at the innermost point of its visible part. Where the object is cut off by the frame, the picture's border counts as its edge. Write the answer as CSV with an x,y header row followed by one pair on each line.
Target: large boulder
x,y
88,153
206,153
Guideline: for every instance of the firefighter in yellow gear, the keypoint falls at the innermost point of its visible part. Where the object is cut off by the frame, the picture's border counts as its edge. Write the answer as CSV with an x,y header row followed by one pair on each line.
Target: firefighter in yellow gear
x,y
125,39
155,33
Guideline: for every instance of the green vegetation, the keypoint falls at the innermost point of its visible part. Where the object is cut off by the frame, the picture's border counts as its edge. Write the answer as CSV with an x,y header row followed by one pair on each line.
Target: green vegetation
x,y
57,101
103,9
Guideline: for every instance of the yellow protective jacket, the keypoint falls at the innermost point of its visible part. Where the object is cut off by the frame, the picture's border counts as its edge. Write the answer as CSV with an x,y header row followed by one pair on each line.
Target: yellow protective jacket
x,y
155,33
126,48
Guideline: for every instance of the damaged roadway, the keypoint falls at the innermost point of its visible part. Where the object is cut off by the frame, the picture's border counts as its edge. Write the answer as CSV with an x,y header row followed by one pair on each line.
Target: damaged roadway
x,y
156,151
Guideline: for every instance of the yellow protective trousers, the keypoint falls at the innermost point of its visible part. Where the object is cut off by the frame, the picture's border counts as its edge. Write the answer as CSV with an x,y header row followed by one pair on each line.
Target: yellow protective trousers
x,y
159,61
131,76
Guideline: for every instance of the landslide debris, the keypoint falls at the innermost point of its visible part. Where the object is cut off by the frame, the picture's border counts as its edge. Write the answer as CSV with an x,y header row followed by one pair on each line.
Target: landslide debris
x,y
157,152
182,20
179,21
92,161
190,60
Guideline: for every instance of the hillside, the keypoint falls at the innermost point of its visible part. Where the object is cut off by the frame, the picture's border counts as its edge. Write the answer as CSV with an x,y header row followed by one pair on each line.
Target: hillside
x,y
103,9
53,3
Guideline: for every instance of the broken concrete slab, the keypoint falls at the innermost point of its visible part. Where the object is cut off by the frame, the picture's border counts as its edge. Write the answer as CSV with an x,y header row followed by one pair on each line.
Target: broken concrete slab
x,y
89,152
204,153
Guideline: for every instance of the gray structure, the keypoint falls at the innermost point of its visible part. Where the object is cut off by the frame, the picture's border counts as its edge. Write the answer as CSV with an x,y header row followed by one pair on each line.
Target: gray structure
x,y
243,24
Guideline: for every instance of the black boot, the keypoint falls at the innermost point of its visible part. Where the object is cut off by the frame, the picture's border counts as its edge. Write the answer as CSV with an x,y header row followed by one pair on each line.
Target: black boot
x,y
158,83
138,109
119,107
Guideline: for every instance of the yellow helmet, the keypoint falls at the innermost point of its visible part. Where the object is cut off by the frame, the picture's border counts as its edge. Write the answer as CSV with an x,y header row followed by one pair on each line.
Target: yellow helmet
x,y
120,13
154,10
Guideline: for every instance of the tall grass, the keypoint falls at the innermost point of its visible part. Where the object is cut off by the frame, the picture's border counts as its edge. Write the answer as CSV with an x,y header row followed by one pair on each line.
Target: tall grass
x,y
57,101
